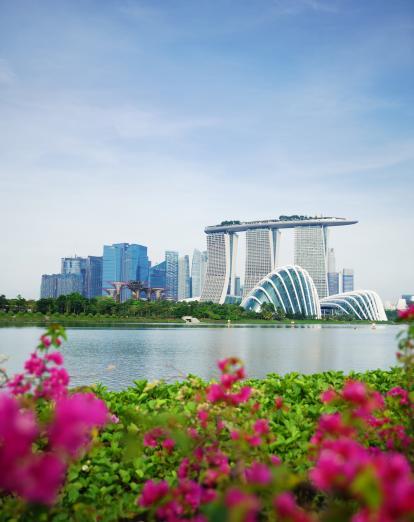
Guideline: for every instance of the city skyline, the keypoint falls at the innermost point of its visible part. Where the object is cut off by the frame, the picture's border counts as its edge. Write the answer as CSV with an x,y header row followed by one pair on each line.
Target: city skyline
x,y
142,121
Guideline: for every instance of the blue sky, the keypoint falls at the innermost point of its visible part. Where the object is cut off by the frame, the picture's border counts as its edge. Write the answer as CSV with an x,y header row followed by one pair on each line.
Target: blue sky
x,y
144,121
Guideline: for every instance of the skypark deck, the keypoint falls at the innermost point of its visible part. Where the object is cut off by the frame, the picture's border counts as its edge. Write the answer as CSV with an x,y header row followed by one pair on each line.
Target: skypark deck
x,y
279,223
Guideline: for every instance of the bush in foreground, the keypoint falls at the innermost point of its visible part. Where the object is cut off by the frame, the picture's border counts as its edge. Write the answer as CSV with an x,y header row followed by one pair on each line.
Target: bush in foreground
x,y
276,449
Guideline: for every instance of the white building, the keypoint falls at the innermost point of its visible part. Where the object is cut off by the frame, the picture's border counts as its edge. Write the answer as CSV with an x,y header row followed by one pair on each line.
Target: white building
x,y
198,272
184,286
310,254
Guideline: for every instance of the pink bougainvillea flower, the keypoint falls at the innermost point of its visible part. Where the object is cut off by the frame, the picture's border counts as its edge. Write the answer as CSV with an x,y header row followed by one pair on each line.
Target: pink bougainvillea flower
x,y
40,478
75,417
244,504
355,392
261,427
278,403
152,492
242,396
397,391
35,365
214,393
168,444
55,357
45,341
287,509
258,473
54,386
407,314
275,460
18,385
328,395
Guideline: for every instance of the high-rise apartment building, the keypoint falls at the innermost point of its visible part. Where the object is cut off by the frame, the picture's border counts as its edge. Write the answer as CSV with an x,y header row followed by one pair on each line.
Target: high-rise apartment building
x,y
310,253
75,265
158,275
347,280
171,275
124,262
184,285
198,272
237,289
333,275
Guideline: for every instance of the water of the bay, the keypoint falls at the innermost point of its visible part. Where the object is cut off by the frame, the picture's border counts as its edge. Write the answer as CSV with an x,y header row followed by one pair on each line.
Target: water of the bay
x,y
116,356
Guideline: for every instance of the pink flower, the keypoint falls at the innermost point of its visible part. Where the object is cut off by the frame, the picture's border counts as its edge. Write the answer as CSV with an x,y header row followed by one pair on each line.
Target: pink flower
x,y
168,444
35,365
114,419
214,393
287,509
275,460
54,386
227,380
45,341
55,357
328,395
247,505
258,473
191,493
152,437
278,403
152,492
261,427
397,391
234,435
18,385
183,468
355,392
242,396
408,314
40,478
75,416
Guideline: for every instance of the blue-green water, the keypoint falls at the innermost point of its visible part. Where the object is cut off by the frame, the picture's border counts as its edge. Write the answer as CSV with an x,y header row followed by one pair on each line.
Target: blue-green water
x,y
116,356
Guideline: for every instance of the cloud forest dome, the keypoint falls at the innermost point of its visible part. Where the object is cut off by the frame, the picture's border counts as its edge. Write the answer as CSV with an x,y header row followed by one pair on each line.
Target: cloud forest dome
x,y
360,304
289,288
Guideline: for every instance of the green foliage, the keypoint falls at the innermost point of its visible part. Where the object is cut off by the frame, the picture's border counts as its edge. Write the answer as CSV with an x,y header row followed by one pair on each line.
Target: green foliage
x,y
105,484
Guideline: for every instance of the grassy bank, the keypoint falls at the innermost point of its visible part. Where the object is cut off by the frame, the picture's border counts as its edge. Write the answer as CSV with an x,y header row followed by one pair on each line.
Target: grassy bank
x,y
10,319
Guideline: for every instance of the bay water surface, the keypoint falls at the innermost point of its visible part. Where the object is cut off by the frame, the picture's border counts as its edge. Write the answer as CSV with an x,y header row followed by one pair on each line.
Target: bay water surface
x,y
117,355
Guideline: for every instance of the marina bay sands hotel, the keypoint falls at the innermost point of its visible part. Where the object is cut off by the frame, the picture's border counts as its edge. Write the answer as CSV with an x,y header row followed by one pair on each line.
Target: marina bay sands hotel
x,y
262,247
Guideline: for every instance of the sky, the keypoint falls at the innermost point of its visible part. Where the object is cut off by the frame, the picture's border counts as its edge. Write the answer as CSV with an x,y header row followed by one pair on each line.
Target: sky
x,y
145,121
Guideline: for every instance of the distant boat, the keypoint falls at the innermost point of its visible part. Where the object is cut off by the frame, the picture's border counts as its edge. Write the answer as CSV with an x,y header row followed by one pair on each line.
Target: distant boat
x,y
373,326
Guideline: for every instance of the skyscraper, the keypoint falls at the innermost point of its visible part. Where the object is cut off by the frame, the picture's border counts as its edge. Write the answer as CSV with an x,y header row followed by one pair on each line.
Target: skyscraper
x,y
310,254
333,275
347,280
198,272
184,289
171,275
54,285
93,277
158,275
124,262
75,265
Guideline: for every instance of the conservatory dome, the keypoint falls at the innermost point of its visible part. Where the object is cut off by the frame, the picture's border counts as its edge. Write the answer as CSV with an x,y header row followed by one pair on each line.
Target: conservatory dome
x,y
289,288
360,304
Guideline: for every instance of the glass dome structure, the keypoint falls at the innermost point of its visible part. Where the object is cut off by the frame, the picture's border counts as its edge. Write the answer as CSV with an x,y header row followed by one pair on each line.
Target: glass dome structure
x,y
289,288
360,304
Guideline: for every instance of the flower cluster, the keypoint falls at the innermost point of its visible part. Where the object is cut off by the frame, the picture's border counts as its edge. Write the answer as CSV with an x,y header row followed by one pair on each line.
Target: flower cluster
x,y
34,455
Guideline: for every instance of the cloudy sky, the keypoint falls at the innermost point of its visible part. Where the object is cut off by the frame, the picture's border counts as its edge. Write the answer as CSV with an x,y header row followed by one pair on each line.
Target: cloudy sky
x,y
145,121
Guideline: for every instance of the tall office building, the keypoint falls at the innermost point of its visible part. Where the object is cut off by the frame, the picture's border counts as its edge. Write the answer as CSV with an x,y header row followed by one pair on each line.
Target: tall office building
x,y
93,277
171,275
158,275
310,254
261,255
75,265
198,272
347,280
333,275
237,290
54,285
184,288
124,262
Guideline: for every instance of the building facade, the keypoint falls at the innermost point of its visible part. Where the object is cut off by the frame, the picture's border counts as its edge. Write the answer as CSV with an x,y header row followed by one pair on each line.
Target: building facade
x,y
158,275
198,272
184,281
310,251
347,280
123,262
261,255
93,277
360,304
171,275
333,275
55,285
289,289
262,246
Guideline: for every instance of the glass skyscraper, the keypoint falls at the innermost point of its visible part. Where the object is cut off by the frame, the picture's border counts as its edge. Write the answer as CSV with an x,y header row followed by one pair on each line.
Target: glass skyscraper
x,y
93,276
184,288
124,262
310,254
171,275
333,275
158,275
347,280
198,272
54,285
